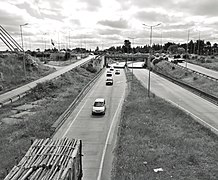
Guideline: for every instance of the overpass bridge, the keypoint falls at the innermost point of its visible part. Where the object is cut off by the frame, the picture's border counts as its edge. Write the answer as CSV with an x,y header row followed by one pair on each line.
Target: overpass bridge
x,y
126,57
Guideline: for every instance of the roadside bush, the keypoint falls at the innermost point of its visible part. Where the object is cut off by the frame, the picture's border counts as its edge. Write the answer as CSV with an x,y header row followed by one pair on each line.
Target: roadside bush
x,y
208,61
90,68
155,61
67,56
43,89
177,56
201,59
195,78
1,88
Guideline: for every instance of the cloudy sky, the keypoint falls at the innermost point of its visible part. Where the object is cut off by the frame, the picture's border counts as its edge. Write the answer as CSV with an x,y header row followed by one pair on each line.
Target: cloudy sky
x,y
103,23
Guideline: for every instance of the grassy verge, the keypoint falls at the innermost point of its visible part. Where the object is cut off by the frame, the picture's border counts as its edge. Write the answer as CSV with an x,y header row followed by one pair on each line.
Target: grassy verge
x,y
53,98
207,62
155,134
11,68
188,77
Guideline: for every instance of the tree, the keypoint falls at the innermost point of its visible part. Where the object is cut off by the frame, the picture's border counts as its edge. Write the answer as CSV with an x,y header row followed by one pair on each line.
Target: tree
x,y
97,49
173,49
127,46
181,50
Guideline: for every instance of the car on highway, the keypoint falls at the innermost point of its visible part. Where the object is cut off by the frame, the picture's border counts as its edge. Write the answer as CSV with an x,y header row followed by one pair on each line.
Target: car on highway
x,y
111,68
109,81
117,71
99,106
109,74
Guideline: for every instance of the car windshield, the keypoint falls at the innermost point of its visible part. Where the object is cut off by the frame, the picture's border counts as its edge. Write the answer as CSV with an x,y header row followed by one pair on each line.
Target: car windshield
x,y
98,104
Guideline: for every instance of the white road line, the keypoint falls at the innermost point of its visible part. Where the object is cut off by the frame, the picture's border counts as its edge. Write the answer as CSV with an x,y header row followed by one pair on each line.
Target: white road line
x,y
79,111
74,120
212,128
108,136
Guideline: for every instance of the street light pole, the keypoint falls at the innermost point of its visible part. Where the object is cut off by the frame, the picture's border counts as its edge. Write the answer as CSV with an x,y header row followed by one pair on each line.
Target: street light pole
x,y
24,62
149,60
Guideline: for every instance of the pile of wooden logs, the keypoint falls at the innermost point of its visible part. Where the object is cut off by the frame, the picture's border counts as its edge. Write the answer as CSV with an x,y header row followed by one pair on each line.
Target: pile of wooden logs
x,y
48,159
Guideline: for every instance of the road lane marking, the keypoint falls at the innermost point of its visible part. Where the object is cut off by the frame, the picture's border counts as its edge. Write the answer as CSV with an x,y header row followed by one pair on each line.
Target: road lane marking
x,y
204,122
108,136
80,109
74,119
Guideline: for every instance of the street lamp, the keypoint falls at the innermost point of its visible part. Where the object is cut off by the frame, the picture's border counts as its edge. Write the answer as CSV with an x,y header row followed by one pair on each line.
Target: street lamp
x,y
149,60
132,38
24,63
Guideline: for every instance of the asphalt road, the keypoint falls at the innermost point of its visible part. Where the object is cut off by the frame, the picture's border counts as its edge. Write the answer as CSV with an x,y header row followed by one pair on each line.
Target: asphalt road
x,y
200,69
202,110
28,86
98,133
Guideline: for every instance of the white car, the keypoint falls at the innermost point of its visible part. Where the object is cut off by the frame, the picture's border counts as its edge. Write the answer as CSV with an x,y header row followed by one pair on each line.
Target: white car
x,y
99,106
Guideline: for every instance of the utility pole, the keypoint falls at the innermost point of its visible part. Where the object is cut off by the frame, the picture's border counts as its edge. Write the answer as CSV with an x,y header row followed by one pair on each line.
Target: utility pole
x,y
24,61
187,51
149,59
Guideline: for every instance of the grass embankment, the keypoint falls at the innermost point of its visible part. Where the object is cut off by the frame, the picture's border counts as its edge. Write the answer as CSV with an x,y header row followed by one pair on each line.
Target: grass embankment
x,y
52,99
210,62
155,134
11,67
188,77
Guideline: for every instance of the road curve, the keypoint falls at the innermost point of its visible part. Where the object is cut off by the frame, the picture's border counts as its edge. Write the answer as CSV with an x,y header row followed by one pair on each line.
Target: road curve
x,y
23,89
98,133
202,110
201,69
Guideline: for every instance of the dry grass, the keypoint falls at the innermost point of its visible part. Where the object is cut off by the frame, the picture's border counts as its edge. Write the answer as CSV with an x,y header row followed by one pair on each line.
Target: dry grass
x,y
11,66
155,134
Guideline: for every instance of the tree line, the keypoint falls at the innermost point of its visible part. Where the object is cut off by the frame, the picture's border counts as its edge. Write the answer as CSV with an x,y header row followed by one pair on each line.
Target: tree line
x,y
193,47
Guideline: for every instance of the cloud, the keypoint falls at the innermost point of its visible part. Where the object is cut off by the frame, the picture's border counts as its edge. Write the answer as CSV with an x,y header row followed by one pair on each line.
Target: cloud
x,y
121,23
92,5
152,16
201,7
30,9
145,3
109,31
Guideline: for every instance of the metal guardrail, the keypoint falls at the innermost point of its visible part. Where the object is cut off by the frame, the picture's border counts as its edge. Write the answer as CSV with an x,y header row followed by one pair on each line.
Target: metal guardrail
x,y
69,110
209,97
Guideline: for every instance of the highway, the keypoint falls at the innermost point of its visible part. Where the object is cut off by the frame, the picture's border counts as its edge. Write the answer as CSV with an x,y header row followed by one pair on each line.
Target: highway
x,y
202,110
23,89
98,133
201,69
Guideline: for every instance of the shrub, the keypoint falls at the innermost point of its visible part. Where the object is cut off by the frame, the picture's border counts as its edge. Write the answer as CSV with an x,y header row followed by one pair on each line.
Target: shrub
x,y
195,78
208,61
43,89
91,69
1,88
